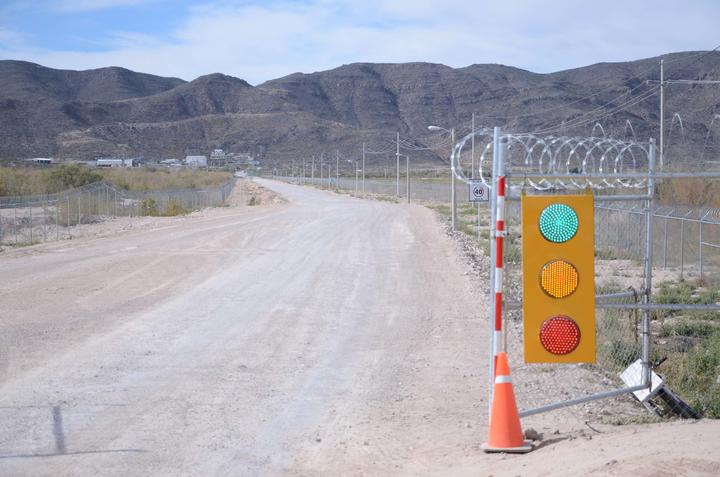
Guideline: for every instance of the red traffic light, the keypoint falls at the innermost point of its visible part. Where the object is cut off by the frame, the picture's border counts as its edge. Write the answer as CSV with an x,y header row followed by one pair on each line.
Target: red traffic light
x,y
560,335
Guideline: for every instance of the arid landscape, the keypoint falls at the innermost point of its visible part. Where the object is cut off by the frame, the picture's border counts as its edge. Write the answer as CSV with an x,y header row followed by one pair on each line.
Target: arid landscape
x,y
148,349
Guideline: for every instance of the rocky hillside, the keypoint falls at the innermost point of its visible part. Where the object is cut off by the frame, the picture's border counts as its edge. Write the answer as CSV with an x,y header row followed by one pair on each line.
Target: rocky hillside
x,y
114,111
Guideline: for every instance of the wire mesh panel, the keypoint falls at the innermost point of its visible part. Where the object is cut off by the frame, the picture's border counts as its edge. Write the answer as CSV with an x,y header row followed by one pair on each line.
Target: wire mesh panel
x,y
27,220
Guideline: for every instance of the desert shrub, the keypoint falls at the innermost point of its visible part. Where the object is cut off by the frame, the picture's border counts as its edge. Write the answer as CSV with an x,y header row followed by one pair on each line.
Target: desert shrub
x,y
174,208
69,176
148,206
695,376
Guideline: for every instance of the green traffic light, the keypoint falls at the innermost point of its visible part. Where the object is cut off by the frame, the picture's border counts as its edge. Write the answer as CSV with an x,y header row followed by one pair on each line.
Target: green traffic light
x,y
558,223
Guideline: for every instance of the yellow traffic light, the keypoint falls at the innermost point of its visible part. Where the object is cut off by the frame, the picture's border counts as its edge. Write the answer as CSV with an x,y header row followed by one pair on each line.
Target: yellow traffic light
x,y
558,261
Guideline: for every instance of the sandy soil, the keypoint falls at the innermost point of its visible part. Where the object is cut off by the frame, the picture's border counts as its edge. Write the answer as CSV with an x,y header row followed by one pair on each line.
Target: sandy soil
x,y
325,335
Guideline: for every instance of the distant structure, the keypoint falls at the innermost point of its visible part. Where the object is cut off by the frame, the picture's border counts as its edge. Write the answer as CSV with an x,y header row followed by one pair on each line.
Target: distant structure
x,y
108,162
218,158
43,161
171,162
196,161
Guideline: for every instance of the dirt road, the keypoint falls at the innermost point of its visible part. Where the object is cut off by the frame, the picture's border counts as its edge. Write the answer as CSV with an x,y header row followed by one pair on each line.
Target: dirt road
x,y
303,337
324,336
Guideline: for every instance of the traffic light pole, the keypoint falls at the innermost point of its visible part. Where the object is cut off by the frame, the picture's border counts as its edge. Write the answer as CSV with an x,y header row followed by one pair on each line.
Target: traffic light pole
x,y
494,257
646,377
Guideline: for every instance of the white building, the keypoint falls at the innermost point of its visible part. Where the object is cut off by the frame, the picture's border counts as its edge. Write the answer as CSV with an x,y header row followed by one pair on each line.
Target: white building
x,y
114,162
196,161
41,160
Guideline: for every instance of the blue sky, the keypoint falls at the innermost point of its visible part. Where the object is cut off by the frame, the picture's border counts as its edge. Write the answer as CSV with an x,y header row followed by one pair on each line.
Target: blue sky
x,y
261,40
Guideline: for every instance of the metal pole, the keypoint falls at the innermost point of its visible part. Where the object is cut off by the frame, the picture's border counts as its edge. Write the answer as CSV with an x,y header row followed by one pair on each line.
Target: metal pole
x,y
648,267
682,247
662,115
15,224
407,178
356,177
493,202
57,219
472,148
337,169
363,169
397,161
312,171
700,246
453,211
31,224
665,245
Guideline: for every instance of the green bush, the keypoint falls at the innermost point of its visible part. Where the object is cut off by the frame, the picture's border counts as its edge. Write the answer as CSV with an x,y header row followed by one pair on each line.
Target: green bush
x,y
687,327
695,376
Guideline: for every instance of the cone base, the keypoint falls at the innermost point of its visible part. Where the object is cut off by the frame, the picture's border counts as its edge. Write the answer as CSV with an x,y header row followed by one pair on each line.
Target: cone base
x,y
523,449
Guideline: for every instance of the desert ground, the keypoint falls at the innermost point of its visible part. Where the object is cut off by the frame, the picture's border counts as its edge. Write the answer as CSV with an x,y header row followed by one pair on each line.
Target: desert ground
x,y
312,334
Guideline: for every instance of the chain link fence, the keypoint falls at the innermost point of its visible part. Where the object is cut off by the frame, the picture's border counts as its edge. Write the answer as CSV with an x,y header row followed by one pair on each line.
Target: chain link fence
x,y
686,244
27,220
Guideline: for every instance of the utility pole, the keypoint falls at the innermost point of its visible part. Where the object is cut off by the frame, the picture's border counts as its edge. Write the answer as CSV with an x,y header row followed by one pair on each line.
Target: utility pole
x,y
662,115
663,82
397,160
363,169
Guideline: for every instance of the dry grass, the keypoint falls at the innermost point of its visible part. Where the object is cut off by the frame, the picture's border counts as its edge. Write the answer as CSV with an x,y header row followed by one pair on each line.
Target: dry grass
x,y
36,181
698,192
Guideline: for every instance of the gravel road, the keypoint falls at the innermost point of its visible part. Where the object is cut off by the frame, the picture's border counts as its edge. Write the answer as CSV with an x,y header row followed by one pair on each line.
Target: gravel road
x,y
324,335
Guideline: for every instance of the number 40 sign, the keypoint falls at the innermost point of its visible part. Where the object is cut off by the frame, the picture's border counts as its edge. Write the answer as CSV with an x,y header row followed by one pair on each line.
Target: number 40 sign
x,y
478,191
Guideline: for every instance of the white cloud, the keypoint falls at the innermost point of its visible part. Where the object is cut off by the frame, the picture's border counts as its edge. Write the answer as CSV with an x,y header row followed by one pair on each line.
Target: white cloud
x,y
263,41
90,5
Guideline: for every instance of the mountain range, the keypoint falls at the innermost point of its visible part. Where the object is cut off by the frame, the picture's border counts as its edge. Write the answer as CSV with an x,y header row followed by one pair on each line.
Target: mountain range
x,y
117,112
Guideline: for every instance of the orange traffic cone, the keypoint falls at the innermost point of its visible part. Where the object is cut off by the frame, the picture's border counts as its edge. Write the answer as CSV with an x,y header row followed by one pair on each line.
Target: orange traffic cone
x,y
505,433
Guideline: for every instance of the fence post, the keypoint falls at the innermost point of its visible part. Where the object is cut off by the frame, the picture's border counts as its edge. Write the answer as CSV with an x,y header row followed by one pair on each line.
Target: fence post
x,y
700,246
682,247
79,219
44,221
646,377
15,223
57,219
31,224
665,245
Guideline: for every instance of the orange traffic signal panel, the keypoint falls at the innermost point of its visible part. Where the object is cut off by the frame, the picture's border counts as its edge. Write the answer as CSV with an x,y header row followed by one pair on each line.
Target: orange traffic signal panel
x,y
558,263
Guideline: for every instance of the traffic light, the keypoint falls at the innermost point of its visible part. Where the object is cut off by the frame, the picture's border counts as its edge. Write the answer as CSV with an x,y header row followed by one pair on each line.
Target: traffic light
x,y
558,264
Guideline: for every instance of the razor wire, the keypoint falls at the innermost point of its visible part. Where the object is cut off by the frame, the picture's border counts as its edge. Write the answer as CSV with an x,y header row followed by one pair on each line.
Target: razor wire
x,y
567,162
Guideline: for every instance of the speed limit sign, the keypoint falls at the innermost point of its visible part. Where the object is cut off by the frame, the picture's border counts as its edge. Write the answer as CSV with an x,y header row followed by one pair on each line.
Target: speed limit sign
x,y
478,191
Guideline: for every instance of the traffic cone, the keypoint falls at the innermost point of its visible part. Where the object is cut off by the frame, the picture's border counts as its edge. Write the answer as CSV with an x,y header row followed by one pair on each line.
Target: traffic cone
x,y
505,432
